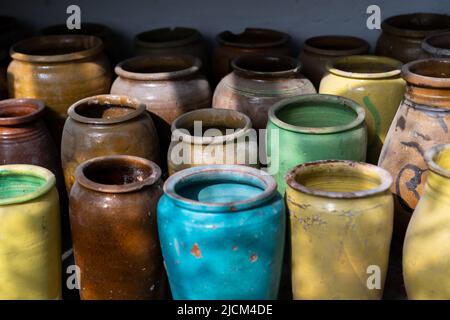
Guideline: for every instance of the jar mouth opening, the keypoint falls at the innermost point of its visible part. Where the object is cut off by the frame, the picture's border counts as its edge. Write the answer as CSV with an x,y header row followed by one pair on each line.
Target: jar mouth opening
x,y
23,183
437,44
438,159
87,28
317,114
117,174
167,37
253,38
416,25
433,72
210,126
20,111
265,65
56,48
339,179
106,109
220,188
365,67
336,45
158,68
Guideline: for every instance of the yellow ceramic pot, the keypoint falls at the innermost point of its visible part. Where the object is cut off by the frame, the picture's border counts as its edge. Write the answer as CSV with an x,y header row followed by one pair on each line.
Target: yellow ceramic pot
x,y
30,257
373,82
341,226
426,251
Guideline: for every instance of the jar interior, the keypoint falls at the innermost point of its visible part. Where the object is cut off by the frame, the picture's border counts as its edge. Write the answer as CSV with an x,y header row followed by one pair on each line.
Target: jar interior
x,y
442,42
336,43
156,65
364,66
103,111
316,115
432,68
15,110
421,22
54,46
13,185
265,64
116,172
211,124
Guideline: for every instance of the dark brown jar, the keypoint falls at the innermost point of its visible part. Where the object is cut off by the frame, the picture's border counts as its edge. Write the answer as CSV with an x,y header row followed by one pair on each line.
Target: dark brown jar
x,y
258,82
437,45
402,35
252,41
107,125
318,52
115,236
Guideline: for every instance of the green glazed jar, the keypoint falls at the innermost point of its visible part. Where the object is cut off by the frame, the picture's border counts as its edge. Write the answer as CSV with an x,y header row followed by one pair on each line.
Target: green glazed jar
x,y
313,127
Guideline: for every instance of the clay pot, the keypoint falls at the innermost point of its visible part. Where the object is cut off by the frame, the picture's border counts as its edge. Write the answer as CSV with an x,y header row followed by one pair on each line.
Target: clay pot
x,y
313,127
222,232
30,246
212,136
374,83
402,35
59,70
169,87
257,82
115,238
252,41
318,52
341,216
425,256
437,45
106,125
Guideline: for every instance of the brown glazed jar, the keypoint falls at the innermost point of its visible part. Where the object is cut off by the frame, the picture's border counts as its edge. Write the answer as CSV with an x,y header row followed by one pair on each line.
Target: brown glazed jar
x,y
169,87
252,41
59,70
259,81
318,52
115,236
402,35
106,125
437,45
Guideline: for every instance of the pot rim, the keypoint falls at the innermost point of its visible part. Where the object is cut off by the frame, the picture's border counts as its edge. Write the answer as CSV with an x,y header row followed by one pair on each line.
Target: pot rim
x,y
333,67
178,134
363,45
359,119
434,50
425,81
283,38
387,26
194,62
432,165
37,105
117,188
215,170
295,66
194,36
118,100
28,170
385,178
95,48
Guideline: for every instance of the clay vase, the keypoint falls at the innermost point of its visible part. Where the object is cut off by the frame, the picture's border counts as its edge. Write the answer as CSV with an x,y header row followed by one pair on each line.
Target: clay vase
x,y
257,82
106,125
426,263
313,127
341,215
251,41
3,80
115,238
402,35
222,230
30,246
169,86
212,136
437,45
58,70
318,52
374,83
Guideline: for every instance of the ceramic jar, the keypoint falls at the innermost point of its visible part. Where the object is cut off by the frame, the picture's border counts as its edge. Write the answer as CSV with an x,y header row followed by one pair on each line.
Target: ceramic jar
x,y
374,83
212,136
257,82
106,125
437,45
402,35
115,238
30,253
58,70
318,52
341,215
313,127
426,265
222,232
251,41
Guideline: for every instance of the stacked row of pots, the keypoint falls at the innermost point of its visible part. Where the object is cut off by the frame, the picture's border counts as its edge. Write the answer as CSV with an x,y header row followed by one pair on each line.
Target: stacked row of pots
x,y
221,224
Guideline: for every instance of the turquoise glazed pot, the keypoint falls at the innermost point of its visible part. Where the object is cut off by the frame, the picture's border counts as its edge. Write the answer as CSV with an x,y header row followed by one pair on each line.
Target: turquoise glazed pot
x,y
222,230
313,127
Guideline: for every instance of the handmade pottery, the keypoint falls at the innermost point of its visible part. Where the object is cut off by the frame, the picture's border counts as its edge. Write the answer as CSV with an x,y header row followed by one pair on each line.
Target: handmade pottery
x,y
437,45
